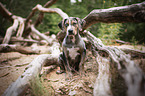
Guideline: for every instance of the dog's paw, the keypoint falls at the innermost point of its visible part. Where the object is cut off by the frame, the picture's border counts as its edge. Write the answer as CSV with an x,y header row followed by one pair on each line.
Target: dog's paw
x,y
60,71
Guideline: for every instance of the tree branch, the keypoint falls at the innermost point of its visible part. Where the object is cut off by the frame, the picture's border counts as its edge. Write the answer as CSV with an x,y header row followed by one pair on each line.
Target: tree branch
x,y
40,17
5,12
15,48
131,13
51,10
14,27
34,30
10,30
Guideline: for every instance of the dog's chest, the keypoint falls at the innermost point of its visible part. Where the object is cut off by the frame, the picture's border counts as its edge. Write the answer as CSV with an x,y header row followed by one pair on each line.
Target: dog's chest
x,y
73,52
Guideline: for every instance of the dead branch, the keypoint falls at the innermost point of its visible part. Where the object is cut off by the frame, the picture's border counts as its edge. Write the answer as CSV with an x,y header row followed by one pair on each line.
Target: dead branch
x,y
15,48
13,28
19,87
14,39
122,42
50,10
10,30
21,27
34,30
5,12
132,13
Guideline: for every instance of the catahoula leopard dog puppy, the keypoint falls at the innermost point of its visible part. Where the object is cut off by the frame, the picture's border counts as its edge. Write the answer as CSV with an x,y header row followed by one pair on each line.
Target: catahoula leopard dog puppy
x,y
74,51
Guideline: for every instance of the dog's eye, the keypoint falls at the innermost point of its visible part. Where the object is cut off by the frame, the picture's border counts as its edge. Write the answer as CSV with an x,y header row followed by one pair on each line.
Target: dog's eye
x,y
74,23
66,24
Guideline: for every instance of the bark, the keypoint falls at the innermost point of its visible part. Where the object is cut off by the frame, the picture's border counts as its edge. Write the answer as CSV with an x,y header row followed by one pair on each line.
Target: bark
x,y
102,86
21,27
132,74
15,39
15,48
131,13
19,87
10,30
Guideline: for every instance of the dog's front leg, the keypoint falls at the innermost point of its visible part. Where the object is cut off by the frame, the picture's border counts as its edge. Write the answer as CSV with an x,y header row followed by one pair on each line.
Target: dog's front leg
x,y
67,65
81,64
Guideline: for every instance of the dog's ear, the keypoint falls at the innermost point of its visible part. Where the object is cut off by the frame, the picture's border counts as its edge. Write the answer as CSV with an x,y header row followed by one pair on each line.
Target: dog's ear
x,y
60,25
81,23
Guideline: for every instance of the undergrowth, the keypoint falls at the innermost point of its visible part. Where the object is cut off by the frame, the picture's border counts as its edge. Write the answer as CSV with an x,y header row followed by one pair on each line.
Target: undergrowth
x,y
38,87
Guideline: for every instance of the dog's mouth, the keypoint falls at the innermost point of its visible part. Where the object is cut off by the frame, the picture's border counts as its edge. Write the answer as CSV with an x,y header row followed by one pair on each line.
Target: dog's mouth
x,y
71,36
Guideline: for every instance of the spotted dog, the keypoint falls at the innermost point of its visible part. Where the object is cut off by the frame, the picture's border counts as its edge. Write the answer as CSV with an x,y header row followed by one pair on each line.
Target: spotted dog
x,y
74,51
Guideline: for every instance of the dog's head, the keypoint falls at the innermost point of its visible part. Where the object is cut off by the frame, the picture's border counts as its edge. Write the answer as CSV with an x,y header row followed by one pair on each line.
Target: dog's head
x,y
71,25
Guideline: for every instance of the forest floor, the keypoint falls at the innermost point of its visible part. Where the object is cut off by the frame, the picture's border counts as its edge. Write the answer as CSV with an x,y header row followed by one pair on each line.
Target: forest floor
x,y
13,64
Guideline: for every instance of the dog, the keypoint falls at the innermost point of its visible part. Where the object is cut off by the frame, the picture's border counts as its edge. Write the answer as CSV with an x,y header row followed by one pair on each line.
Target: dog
x,y
74,51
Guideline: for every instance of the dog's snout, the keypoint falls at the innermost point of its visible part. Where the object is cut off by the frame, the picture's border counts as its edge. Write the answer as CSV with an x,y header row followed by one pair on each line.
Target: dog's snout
x,y
70,31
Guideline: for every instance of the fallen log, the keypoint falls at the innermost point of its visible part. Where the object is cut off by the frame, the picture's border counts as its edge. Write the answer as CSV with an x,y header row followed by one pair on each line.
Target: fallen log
x,y
15,48
19,87
132,74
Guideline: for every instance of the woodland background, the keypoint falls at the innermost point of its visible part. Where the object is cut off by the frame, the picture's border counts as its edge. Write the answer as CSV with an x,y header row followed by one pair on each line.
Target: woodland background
x,y
129,32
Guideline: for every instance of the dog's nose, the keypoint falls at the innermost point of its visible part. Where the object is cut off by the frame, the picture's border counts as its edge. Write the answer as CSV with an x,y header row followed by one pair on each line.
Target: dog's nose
x,y
70,31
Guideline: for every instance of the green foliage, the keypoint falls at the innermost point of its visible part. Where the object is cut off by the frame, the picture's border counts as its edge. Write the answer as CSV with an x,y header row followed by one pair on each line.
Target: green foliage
x,y
50,23
133,32
111,30
108,32
37,88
